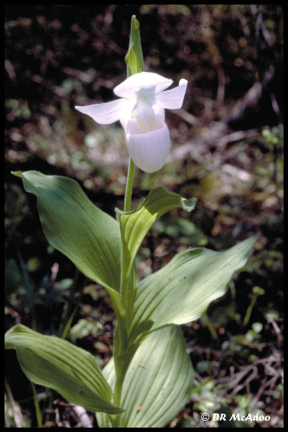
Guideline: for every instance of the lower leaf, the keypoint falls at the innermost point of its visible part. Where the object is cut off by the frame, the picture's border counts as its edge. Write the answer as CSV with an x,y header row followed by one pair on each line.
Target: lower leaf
x,y
157,384
57,364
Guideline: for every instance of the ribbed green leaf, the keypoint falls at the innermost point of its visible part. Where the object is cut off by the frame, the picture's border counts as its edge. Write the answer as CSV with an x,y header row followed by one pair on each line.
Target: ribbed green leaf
x,y
134,225
134,56
158,382
76,227
182,290
57,364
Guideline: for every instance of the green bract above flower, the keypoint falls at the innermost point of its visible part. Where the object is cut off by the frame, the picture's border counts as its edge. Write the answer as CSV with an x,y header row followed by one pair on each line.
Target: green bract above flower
x,y
141,113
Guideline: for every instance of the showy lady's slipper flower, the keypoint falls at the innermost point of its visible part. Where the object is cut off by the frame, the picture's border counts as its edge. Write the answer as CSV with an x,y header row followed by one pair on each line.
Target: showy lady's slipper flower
x,y
141,113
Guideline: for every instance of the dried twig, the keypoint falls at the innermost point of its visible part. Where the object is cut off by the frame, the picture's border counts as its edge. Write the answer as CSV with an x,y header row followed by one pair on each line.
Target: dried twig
x,y
84,418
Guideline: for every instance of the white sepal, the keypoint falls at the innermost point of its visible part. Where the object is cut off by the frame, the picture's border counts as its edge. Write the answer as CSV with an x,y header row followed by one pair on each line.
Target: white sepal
x,y
142,83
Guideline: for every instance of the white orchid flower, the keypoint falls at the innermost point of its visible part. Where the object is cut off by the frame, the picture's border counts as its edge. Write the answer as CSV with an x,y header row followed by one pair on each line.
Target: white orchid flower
x,y
141,113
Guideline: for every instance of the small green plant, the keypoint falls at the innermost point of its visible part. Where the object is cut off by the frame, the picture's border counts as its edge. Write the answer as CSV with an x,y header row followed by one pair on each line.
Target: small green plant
x,y
150,377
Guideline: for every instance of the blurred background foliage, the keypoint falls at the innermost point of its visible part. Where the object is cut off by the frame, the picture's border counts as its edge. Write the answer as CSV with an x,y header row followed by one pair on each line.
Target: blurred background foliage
x,y
227,147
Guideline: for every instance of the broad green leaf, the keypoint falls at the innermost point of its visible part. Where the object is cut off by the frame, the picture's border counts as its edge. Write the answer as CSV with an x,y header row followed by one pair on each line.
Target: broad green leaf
x,y
182,290
76,227
134,56
57,364
158,381
134,225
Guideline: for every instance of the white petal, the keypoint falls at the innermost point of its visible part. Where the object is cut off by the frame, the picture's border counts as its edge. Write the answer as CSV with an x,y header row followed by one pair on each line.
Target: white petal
x,y
172,99
141,82
105,113
150,150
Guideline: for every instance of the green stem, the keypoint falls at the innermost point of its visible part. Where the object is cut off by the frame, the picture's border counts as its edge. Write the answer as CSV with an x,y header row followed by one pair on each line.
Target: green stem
x,y
249,310
120,344
120,339
37,407
210,326
124,288
129,186
119,347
